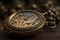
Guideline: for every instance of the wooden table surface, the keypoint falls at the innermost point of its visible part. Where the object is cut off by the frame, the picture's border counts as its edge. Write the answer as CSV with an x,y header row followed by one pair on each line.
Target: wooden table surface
x,y
46,35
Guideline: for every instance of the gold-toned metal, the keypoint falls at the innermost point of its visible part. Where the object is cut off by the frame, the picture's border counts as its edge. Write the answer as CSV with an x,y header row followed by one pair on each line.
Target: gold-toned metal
x,y
25,20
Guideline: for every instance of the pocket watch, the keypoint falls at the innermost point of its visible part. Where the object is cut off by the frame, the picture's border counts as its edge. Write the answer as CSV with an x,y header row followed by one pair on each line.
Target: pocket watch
x,y
25,22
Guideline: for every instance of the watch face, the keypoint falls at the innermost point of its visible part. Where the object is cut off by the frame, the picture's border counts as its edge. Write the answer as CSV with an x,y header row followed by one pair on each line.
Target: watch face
x,y
25,20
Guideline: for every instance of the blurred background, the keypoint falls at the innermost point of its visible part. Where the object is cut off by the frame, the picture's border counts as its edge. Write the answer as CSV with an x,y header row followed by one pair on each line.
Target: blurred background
x,y
7,7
